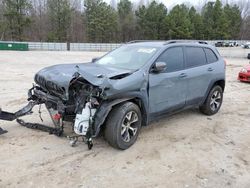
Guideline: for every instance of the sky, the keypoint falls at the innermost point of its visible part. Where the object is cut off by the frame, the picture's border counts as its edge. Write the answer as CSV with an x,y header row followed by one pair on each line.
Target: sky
x,y
166,2
170,3
192,2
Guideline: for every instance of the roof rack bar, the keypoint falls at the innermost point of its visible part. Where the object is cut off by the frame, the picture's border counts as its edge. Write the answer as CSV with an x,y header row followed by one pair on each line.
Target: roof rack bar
x,y
181,41
168,41
137,41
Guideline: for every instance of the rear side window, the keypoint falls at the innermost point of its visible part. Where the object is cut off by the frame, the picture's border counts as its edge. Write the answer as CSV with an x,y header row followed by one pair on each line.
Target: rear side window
x,y
174,59
211,57
195,56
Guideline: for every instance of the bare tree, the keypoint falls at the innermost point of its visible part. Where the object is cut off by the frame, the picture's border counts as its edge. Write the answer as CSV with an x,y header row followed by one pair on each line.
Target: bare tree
x,y
77,26
39,29
244,6
2,24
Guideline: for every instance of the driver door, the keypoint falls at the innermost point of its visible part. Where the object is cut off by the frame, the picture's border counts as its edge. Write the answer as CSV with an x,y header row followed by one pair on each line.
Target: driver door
x,y
167,89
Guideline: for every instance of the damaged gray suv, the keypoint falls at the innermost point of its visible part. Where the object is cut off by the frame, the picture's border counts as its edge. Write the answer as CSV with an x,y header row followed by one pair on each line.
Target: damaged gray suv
x,y
128,88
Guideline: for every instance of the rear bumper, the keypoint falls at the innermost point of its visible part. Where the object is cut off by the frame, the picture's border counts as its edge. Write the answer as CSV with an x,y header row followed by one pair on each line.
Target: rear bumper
x,y
244,77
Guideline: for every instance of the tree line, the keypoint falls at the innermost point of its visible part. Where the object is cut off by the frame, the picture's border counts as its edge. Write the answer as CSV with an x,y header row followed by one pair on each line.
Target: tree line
x,y
98,21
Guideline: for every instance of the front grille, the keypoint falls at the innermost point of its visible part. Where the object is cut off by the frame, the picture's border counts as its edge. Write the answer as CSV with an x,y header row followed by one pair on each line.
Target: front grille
x,y
49,85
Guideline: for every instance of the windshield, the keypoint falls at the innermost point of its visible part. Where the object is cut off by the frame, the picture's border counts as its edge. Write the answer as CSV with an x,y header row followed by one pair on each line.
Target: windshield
x,y
128,57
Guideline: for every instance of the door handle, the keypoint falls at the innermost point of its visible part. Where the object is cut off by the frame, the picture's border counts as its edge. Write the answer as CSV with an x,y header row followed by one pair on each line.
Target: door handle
x,y
210,69
183,75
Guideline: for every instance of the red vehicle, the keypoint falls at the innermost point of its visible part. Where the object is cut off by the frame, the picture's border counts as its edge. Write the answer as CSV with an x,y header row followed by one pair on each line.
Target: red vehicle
x,y
244,74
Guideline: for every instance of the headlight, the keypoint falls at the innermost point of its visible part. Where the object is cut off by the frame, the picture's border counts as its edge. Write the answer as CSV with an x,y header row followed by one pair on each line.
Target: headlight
x,y
243,70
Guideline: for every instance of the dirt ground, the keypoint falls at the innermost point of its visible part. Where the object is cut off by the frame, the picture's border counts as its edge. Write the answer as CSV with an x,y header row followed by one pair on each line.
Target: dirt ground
x,y
185,150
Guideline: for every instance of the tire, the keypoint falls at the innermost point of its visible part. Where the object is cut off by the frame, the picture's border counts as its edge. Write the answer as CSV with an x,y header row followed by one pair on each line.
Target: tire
x,y
213,102
123,125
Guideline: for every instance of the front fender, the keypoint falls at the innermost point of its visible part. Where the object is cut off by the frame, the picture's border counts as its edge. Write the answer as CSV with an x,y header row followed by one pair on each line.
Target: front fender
x,y
103,112
106,107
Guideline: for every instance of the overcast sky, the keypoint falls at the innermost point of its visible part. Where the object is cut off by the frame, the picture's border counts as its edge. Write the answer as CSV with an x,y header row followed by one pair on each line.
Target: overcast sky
x,y
192,2
170,3
166,2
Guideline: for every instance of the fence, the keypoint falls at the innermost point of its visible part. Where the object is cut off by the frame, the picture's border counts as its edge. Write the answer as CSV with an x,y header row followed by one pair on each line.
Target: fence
x,y
93,46
49,46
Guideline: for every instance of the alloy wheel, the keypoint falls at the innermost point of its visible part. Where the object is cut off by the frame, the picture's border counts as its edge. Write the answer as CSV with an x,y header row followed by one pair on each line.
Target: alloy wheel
x,y
215,100
129,126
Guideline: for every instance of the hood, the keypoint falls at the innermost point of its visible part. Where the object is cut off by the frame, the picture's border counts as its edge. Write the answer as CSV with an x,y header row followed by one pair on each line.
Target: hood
x,y
60,75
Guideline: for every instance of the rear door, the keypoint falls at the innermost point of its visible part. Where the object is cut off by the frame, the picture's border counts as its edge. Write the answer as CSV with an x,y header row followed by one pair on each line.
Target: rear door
x,y
199,74
167,90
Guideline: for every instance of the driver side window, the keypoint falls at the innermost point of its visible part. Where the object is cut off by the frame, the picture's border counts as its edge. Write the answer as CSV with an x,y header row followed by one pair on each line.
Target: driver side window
x,y
174,58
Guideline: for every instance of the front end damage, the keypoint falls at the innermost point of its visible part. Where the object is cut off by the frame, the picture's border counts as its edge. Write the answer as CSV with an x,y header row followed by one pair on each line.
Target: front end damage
x,y
80,94
79,108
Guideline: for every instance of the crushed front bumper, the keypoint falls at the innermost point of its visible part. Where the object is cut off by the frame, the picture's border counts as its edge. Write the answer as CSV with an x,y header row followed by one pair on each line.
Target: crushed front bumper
x,y
2,131
35,97
7,116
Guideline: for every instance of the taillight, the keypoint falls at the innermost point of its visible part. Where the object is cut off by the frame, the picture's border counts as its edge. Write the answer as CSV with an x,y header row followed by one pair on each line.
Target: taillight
x,y
57,117
225,64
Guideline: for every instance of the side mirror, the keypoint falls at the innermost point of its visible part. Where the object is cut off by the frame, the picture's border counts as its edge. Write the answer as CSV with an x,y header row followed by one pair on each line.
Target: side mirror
x,y
94,59
159,67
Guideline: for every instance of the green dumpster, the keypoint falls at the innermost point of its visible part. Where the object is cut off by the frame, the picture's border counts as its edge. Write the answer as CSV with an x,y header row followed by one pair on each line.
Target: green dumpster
x,y
14,46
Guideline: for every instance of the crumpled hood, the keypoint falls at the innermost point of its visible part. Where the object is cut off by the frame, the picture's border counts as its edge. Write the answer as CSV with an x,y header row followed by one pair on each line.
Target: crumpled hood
x,y
62,74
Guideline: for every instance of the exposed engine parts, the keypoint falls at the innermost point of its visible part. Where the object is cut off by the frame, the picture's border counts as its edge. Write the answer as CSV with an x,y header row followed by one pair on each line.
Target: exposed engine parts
x,y
84,119
79,109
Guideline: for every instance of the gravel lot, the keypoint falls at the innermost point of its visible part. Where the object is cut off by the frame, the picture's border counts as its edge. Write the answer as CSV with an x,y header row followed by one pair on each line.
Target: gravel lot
x,y
184,150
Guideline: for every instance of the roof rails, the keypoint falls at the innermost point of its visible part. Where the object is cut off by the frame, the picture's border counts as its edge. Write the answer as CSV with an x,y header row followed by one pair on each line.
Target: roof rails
x,y
202,42
168,42
184,41
137,41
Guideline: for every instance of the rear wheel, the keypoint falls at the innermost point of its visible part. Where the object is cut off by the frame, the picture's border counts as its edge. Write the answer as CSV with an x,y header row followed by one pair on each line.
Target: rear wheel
x,y
213,102
123,125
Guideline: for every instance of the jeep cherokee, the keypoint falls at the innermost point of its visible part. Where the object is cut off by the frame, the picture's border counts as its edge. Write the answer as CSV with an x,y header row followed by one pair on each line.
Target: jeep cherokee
x,y
127,88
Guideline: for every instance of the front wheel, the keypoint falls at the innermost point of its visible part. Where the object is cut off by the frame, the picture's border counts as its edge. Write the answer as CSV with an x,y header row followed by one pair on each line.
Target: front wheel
x,y
213,102
123,125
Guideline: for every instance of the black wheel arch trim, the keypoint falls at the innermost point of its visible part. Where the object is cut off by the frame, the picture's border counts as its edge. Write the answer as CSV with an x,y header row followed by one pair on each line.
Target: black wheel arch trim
x,y
106,107
220,82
